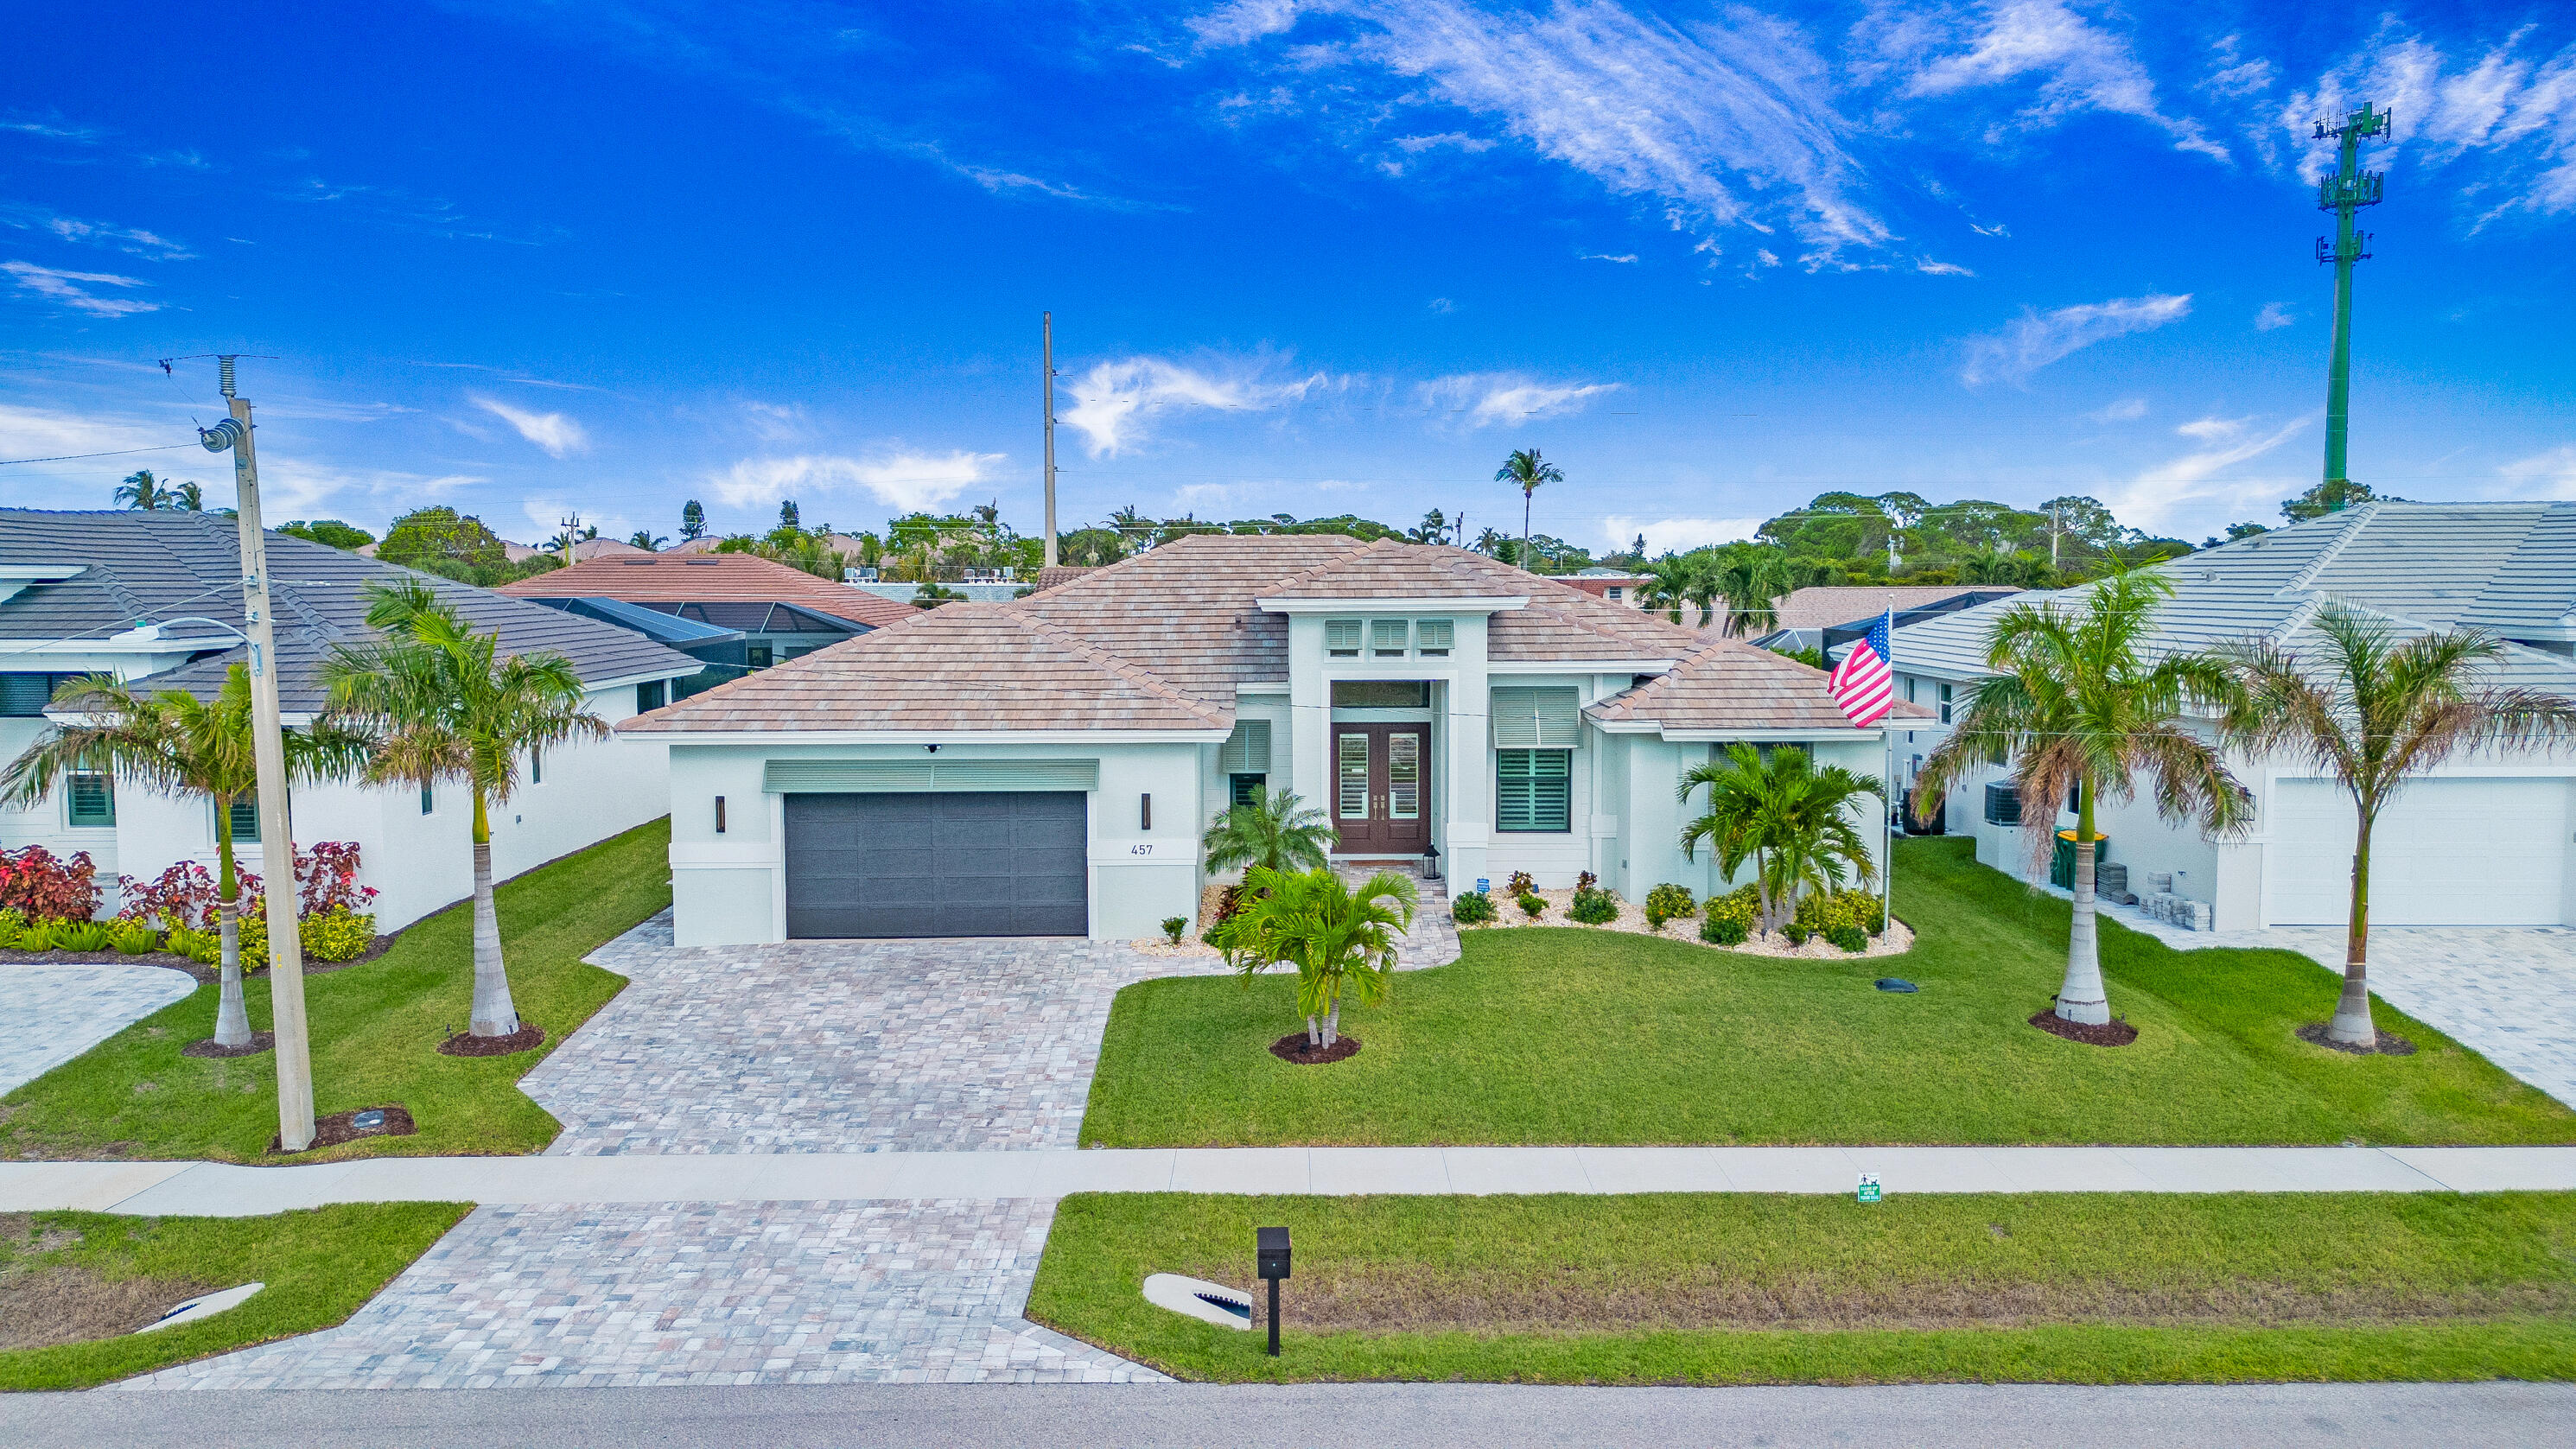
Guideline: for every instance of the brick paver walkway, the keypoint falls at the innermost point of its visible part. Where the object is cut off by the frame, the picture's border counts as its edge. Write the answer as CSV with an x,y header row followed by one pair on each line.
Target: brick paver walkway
x,y
58,1012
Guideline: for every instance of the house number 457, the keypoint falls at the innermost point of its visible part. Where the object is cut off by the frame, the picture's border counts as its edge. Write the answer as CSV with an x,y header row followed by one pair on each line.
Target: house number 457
x,y
1140,850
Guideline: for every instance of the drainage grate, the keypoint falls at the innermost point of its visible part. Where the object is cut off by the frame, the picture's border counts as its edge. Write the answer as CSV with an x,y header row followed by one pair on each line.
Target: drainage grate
x,y
1239,1310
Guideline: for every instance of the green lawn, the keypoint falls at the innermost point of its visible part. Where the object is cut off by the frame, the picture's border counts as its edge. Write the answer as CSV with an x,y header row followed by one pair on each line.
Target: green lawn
x,y
319,1265
376,1028
1724,1288
1578,1036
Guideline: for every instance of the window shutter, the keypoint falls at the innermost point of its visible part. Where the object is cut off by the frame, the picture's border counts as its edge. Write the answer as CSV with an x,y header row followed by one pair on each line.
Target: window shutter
x,y
1386,638
1435,637
1533,790
26,695
1546,718
93,800
1247,750
1342,638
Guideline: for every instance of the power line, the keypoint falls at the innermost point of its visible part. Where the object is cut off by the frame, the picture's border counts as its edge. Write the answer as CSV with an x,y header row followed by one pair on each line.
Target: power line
x,y
119,453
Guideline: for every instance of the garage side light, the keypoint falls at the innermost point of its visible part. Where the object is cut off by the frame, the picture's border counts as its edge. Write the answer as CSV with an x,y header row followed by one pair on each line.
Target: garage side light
x,y
1145,809
720,816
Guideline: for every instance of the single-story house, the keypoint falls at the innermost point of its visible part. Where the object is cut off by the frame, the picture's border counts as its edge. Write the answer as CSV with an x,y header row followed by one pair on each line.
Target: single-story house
x,y
734,612
1047,766
2484,841
155,597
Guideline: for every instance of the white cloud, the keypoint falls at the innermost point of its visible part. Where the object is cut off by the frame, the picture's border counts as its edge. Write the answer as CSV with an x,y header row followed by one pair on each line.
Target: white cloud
x,y
2152,499
1605,257
2126,410
41,433
2274,315
2547,475
293,486
2496,104
71,289
1929,267
1443,304
557,433
2082,68
1416,145
904,480
1722,122
1676,535
547,515
2037,339
1482,399
774,422
131,240
1116,405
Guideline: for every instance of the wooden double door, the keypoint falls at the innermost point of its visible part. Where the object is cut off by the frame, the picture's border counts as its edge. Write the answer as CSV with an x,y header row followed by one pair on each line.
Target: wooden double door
x,y
1382,788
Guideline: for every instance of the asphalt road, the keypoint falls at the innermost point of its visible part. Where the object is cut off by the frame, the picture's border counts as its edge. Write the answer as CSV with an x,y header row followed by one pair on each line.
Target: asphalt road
x,y
2451,1416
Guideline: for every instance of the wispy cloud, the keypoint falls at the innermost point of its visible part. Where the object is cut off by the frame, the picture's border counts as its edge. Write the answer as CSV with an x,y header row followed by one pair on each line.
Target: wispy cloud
x,y
1931,268
53,127
72,289
2036,339
1624,257
775,422
34,432
2154,498
130,240
2126,410
558,433
1116,405
294,486
2545,475
902,479
2274,315
2078,67
1483,399
1676,535
2496,103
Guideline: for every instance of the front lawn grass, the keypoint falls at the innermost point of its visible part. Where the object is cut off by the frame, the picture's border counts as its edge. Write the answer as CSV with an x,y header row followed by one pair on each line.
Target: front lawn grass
x,y
67,1268
1761,1289
376,1028
1592,1037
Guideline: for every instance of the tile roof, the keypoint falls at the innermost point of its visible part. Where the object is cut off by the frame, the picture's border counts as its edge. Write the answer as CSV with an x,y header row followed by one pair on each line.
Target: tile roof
x,y
1730,684
144,565
1825,606
1060,574
709,578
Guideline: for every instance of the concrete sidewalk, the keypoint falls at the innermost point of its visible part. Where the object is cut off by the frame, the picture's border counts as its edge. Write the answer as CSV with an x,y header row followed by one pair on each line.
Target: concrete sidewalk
x,y
224,1190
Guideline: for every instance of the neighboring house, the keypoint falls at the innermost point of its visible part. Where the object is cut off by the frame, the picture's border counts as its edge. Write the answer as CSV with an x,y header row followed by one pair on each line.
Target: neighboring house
x,y
2484,842
155,597
736,613
1046,767
1818,618
973,590
1614,586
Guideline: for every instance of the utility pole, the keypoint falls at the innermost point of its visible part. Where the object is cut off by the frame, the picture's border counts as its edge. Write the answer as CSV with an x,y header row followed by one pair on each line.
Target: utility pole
x,y
276,837
1046,400
2344,193
2053,531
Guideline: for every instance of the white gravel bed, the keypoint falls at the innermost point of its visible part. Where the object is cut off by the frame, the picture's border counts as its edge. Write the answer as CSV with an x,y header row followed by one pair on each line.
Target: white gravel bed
x,y
1632,919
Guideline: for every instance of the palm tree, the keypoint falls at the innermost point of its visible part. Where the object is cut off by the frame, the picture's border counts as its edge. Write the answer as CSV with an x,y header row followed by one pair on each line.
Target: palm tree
x,y
446,709
1671,582
1752,581
647,540
1792,819
141,490
2378,713
2074,711
178,743
1489,541
188,497
1526,471
1274,830
693,519
1342,941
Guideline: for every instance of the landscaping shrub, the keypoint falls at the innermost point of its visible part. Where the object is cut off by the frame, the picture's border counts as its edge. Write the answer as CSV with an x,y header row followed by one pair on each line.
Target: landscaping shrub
x,y
1796,933
1594,908
326,880
132,938
201,946
38,935
1850,938
1532,904
183,895
82,936
1173,926
12,921
1585,882
1472,909
1520,884
1229,900
340,934
36,881
1668,902
1720,930
1820,913
1727,920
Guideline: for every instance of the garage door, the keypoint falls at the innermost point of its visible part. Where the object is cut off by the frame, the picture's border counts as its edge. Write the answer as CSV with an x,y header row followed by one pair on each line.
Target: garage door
x,y
1000,863
2483,852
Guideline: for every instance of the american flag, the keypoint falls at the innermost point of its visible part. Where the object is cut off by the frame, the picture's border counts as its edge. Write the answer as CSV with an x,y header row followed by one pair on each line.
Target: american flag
x,y
1861,683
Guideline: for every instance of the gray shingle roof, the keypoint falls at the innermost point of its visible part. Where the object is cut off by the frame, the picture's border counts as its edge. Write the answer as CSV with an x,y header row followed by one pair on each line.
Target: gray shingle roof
x,y
142,566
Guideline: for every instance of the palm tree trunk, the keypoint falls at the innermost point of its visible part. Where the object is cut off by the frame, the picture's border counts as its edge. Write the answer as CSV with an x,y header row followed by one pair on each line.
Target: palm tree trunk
x,y
2080,997
1314,1034
2352,1025
232,1018
494,1013
1333,1023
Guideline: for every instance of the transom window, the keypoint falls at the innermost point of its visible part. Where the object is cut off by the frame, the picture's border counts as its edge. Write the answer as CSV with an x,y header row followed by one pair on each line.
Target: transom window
x,y
1387,637
1342,638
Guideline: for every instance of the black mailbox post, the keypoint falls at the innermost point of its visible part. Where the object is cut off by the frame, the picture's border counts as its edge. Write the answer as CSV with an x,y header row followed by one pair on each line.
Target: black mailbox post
x,y
1270,1256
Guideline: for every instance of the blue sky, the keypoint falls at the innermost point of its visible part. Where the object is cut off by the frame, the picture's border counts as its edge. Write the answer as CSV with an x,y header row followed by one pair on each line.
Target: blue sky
x,y
525,257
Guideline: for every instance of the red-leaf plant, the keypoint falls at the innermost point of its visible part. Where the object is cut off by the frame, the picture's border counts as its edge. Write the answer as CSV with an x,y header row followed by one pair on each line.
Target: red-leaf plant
x,y
36,881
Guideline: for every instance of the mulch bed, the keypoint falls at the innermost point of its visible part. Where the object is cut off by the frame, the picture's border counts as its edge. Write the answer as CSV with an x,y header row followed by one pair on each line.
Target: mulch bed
x,y
467,1044
1293,1048
176,962
2109,1033
2390,1043
260,1041
335,1129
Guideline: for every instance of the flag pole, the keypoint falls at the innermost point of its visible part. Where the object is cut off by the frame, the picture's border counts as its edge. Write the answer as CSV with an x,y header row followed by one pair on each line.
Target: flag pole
x,y
1887,852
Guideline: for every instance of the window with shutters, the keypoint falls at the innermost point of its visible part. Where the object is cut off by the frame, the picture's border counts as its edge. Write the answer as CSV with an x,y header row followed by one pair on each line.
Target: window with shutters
x,y
24,696
1533,790
1387,638
1244,789
1244,759
244,820
1342,638
91,799
1433,638
1547,717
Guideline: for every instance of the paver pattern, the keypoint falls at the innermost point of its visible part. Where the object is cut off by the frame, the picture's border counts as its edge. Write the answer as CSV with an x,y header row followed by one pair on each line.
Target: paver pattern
x,y
676,1293
60,1011
2507,993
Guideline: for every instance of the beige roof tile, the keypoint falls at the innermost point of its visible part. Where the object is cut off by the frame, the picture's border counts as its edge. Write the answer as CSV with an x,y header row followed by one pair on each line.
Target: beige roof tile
x,y
1730,684
709,578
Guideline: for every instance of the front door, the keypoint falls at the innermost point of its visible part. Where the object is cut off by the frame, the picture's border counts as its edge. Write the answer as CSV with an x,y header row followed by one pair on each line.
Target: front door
x,y
1381,788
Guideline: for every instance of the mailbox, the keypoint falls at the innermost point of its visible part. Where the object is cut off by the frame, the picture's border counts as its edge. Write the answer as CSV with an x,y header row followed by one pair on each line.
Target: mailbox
x,y
1271,1252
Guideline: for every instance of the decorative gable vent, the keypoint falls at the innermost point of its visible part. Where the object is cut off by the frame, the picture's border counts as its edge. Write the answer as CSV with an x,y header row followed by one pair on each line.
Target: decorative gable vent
x,y
1342,638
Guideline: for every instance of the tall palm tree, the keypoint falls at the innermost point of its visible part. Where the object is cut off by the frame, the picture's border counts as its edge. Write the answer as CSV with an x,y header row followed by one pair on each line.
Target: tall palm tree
x,y
1673,582
1789,816
141,490
1274,830
2073,709
188,497
1341,940
647,540
1528,472
2371,713
445,709
1753,580
177,743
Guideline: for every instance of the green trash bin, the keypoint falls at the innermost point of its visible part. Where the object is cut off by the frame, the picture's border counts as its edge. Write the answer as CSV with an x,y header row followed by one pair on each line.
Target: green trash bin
x,y
2061,861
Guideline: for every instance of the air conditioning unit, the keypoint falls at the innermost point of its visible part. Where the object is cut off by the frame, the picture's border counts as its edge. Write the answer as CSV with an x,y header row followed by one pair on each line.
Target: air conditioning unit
x,y
2003,803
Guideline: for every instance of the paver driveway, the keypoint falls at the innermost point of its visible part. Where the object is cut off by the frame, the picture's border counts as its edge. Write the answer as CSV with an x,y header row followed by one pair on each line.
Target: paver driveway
x,y
59,1011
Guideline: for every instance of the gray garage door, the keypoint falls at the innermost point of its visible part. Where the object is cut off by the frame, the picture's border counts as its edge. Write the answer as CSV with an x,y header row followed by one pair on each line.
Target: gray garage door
x,y
950,864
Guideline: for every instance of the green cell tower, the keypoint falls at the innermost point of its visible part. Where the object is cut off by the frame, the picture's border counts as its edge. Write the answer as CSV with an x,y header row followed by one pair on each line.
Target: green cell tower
x,y
2347,191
